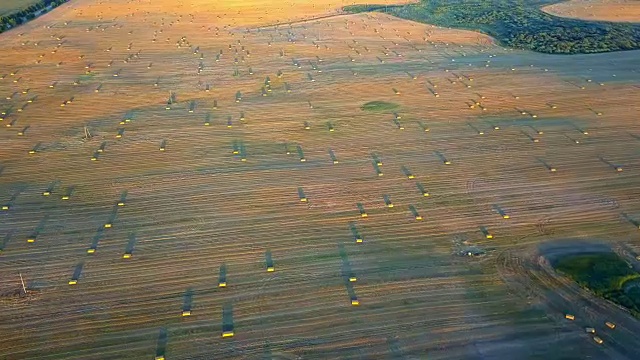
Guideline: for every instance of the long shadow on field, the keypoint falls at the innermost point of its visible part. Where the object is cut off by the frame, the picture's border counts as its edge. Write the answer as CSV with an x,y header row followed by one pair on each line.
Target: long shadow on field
x,y
227,318
356,234
353,298
613,166
131,244
187,301
269,261
77,271
557,249
347,271
363,212
422,190
441,157
161,347
303,197
6,239
11,202
52,185
123,197
112,217
376,168
631,220
222,279
333,157
497,208
544,163
96,239
68,192
39,228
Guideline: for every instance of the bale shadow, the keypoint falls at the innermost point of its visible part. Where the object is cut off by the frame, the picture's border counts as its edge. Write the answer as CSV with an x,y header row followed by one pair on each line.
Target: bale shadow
x,y
49,190
376,159
77,271
363,212
333,157
486,232
269,261
39,228
161,346
376,167
96,240
227,318
422,190
301,153
415,212
441,157
6,239
616,167
11,202
69,192
131,244
353,298
545,164
355,233
475,128
387,201
222,278
407,173
347,270
187,301
303,197
500,211
123,197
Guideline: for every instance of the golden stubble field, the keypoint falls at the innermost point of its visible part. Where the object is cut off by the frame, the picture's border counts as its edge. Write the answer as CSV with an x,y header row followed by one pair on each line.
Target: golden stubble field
x,y
535,137
607,10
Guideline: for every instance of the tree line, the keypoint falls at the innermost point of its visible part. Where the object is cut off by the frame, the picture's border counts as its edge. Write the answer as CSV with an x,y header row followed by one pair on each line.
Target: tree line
x,y
606,275
519,24
17,18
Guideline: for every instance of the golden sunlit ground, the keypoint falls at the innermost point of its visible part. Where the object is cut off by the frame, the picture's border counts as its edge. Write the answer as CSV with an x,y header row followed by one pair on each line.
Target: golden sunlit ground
x,y
263,159
606,10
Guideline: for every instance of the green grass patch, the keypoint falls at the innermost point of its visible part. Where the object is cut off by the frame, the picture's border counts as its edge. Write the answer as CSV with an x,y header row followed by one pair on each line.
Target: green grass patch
x,y
519,24
86,77
605,274
379,106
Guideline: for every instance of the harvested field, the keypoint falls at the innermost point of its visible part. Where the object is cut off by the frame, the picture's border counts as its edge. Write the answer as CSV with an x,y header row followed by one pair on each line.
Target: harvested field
x,y
152,152
607,10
